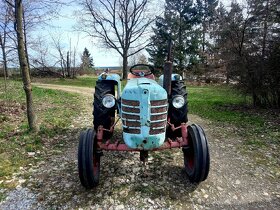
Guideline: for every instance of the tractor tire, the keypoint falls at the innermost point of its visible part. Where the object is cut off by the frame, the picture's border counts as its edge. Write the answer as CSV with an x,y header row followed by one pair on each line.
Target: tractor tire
x,y
196,155
88,159
102,115
177,116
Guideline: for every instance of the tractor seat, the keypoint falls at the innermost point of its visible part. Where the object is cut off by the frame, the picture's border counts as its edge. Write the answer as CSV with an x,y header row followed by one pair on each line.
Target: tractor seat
x,y
132,76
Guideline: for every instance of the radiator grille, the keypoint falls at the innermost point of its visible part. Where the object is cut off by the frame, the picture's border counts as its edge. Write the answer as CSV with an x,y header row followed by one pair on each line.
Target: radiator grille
x,y
132,124
158,116
159,109
131,116
158,124
130,102
132,130
130,109
157,131
159,102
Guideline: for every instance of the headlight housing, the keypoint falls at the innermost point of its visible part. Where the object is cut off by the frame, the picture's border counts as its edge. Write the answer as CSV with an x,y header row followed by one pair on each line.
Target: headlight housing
x,y
178,101
108,101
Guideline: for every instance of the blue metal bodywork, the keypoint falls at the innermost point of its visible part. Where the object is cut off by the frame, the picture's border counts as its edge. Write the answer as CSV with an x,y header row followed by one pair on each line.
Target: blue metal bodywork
x,y
113,77
143,90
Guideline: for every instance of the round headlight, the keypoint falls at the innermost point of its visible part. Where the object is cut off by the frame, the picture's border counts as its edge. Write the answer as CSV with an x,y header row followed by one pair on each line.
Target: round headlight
x,y
178,102
108,101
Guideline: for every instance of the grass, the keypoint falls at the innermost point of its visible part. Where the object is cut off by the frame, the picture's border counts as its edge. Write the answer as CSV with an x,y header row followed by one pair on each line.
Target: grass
x,y
219,103
84,81
79,82
55,111
227,106
2,196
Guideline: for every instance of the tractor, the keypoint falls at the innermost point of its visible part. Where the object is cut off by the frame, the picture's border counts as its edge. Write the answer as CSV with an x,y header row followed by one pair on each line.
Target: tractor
x,y
153,116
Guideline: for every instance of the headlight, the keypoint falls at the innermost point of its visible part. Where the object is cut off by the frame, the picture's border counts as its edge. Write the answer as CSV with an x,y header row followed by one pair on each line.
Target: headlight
x,y
108,101
178,102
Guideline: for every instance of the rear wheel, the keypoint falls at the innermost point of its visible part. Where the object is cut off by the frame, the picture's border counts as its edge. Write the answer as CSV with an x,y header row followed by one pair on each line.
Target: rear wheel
x,y
177,115
196,155
102,115
88,159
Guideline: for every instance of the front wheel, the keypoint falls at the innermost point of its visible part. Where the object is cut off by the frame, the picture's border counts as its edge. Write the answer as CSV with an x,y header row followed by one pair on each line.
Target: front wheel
x,y
88,159
196,155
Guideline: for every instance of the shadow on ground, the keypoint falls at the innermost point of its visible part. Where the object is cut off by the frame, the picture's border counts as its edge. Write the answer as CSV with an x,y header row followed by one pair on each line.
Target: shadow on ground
x,y
123,177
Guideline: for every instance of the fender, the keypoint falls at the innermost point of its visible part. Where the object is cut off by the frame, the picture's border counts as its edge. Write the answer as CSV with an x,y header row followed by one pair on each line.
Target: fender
x,y
113,77
174,77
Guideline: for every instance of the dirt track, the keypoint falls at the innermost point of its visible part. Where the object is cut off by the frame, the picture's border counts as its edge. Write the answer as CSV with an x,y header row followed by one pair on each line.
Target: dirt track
x,y
81,90
234,182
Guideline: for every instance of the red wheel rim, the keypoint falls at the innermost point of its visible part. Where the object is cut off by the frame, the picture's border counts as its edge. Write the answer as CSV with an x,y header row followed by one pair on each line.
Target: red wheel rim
x,y
189,155
95,165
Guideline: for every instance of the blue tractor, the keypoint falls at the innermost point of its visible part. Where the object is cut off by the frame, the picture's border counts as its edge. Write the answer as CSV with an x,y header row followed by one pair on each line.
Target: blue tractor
x,y
153,116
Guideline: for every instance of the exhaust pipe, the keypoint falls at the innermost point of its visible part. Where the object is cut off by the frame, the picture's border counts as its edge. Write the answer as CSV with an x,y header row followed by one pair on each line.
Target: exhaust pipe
x,y
168,70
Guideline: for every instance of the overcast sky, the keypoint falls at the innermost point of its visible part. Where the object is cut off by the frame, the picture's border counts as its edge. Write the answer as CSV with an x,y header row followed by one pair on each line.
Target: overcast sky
x,y
101,56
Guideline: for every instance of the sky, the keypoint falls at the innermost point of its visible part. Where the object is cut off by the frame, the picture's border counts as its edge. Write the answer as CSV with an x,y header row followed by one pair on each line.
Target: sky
x,y
64,25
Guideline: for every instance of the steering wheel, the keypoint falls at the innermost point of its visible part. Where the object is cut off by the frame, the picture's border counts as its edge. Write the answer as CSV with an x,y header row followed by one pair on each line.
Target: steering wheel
x,y
142,70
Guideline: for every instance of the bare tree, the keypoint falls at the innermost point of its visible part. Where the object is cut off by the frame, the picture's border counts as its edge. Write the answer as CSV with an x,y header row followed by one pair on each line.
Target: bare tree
x,y
37,13
74,59
62,58
24,66
51,54
119,24
41,61
5,21
137,59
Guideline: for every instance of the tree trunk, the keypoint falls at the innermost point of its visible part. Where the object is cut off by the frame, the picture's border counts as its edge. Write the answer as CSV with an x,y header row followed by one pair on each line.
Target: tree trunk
x,y
5,70
68,65
278,99
24,67
74,64
2,43
227,76
203,36
5,65
25,40
125,66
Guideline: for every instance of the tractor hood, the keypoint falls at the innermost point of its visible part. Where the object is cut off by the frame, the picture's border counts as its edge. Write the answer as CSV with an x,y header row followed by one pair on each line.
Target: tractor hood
x,y
144,113
143,87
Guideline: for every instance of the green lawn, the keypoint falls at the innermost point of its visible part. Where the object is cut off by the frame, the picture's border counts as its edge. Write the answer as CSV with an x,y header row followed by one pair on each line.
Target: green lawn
x,y
226,106
55,111
83,81
222,104
80,81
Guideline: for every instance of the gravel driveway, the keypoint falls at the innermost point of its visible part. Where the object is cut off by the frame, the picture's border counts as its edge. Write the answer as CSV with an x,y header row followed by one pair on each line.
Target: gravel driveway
x,y
234,181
